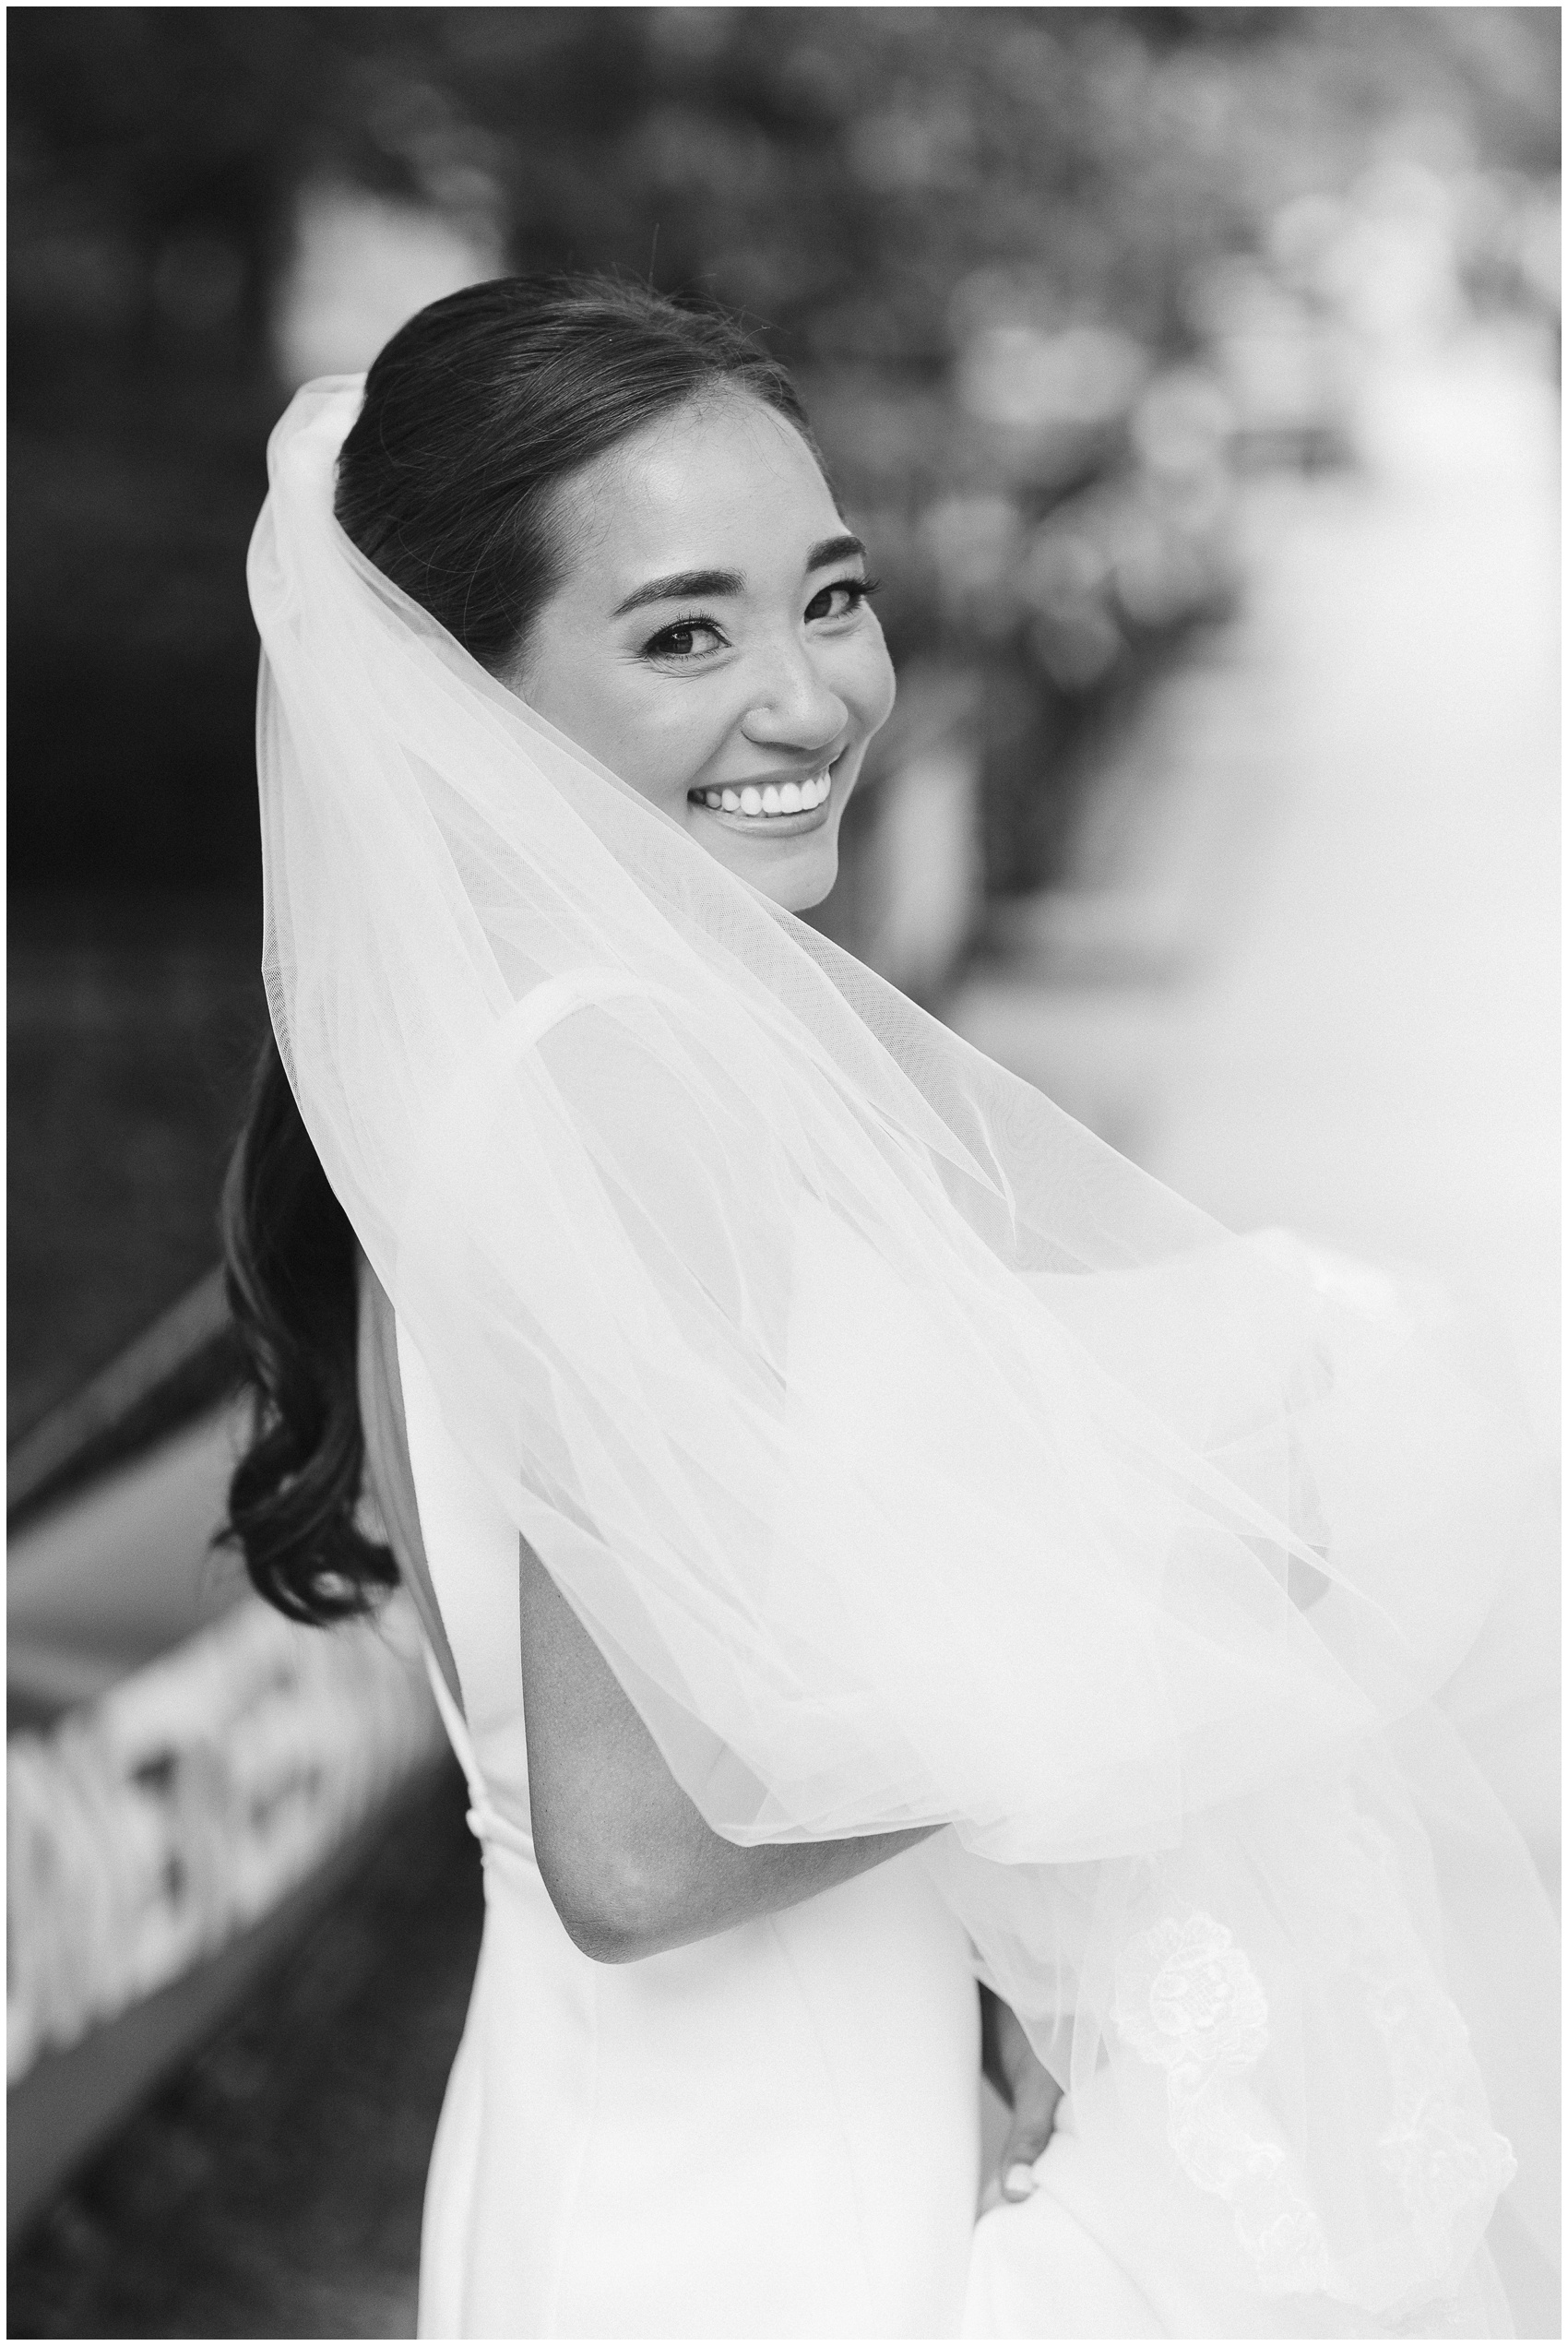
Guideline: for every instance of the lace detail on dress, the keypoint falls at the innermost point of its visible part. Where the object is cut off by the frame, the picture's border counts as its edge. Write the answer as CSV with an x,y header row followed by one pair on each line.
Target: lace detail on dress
x,y
1188,2000
1444,2156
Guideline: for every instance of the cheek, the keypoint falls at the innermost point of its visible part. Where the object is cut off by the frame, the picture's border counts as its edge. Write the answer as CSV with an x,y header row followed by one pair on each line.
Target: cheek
x,y
867,680
666,738
655,739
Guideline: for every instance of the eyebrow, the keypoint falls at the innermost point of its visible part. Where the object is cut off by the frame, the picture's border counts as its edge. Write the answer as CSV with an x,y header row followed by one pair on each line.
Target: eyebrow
x,y
682,584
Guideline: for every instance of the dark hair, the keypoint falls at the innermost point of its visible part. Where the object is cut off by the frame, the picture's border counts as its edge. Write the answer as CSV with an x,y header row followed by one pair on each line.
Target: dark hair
x,y
474,414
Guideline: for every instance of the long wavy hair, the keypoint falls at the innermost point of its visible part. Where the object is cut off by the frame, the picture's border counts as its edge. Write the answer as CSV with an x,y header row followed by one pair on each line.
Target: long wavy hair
x,y
474,414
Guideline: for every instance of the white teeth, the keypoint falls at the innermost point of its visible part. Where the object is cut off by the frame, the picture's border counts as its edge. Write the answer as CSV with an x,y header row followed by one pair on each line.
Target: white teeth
x,y
773,798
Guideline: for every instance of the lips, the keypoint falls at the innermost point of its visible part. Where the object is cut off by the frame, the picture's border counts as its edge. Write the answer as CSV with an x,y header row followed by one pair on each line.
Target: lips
x,y
772,809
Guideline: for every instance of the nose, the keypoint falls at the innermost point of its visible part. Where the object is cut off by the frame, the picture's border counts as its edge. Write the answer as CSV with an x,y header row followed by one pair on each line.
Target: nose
x,y
797,708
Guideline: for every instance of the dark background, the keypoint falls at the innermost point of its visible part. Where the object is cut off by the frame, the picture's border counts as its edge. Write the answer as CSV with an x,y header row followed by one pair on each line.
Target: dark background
x,y
838,176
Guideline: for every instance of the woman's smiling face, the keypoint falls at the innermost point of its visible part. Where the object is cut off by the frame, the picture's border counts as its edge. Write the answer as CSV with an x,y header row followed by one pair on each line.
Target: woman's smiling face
x,y
711,641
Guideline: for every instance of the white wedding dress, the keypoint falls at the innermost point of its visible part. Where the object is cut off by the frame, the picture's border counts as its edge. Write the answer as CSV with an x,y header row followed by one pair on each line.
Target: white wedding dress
x,y
773,2133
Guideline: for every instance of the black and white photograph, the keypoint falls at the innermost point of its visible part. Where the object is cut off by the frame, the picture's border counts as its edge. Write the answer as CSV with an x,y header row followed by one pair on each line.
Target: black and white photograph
x,y
785,1195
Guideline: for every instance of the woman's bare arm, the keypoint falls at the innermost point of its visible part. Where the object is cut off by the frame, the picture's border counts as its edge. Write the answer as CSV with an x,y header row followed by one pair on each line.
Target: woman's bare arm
x,y
629,1861
627,1858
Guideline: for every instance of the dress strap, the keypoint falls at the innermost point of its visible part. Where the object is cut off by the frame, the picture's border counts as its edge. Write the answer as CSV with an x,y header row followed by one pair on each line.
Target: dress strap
x,y
485,1821
453,1720
389,1472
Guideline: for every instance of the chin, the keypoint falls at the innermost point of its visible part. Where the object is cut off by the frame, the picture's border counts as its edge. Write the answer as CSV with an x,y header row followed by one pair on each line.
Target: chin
x,y
809,883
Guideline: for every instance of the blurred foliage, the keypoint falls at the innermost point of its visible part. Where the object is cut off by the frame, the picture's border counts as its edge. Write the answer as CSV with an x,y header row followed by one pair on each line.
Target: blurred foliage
x,y
1047,275
986,239
132,1029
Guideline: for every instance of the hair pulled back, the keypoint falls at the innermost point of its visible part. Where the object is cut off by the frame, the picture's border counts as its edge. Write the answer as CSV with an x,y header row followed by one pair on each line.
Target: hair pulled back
x,y
480,407
474,414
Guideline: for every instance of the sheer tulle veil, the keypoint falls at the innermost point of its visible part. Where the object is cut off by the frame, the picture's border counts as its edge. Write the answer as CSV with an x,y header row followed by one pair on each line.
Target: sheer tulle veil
x,y
912,1456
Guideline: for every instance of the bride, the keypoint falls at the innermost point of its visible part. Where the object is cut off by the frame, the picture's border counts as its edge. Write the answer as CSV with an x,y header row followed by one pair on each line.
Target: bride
x,y
868,1538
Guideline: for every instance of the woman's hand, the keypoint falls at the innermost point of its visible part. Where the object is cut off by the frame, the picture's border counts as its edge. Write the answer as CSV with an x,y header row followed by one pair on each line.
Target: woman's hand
x,y
1025,2084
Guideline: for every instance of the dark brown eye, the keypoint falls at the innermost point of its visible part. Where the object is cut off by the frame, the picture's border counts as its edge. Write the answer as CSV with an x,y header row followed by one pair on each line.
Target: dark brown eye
x,y
839,601
682,641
